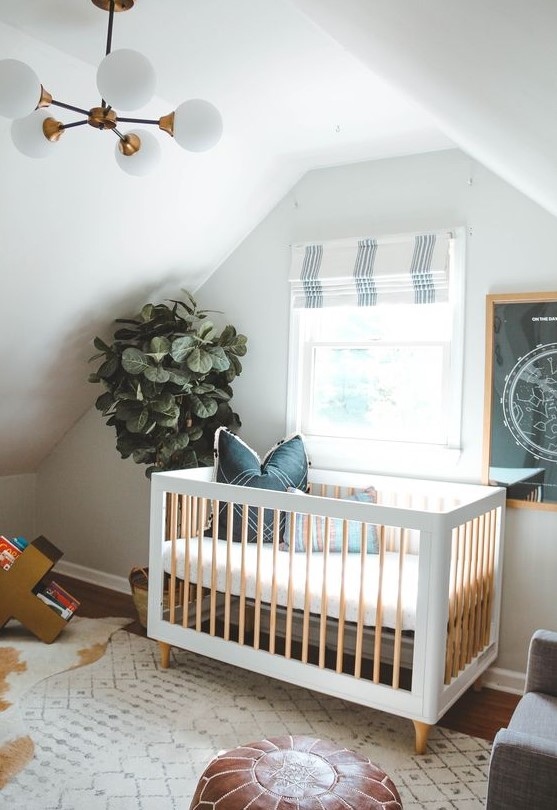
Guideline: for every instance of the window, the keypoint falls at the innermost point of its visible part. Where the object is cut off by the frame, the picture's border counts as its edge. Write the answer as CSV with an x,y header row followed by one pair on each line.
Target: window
x,y
376,349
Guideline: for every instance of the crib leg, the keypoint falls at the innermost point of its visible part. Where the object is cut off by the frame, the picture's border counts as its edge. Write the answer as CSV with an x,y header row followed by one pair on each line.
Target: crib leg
x,y
165,654
422,733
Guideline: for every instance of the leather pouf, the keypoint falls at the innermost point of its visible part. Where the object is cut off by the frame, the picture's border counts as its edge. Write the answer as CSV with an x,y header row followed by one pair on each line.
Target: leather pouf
x,y
294,773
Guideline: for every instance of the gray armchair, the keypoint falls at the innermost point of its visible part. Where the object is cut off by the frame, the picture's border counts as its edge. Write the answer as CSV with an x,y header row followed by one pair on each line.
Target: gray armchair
x,y
523,767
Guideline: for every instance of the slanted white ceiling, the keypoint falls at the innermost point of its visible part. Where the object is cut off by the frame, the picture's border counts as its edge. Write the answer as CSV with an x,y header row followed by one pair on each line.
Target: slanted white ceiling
x,y
486,71
300,84
82,243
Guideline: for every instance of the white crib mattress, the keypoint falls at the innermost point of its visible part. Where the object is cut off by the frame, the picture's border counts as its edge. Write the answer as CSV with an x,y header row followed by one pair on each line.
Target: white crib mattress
x,y
352,576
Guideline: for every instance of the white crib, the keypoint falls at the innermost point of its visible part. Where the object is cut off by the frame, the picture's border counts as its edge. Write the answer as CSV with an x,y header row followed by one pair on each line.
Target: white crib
x,y
405,630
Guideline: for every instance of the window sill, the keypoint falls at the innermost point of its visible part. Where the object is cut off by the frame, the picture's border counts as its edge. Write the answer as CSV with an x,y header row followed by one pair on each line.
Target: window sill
x,y
393,458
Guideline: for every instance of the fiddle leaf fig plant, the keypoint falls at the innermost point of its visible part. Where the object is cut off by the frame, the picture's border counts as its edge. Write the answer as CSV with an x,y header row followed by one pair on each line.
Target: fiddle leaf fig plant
x,y
167,376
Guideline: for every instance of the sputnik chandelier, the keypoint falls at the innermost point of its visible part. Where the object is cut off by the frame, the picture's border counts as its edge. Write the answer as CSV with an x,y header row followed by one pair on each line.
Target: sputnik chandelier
x,y
126,81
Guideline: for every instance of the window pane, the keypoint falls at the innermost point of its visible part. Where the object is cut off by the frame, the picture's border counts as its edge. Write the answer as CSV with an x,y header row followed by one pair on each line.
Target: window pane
x,y
384,392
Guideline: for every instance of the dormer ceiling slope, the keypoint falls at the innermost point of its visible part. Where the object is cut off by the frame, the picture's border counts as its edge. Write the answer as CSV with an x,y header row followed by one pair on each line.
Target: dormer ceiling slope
x,y
485,71
300,84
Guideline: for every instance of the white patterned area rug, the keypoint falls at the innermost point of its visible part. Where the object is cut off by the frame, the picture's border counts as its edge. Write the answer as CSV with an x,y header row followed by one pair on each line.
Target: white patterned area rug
x,y
24,662
123,734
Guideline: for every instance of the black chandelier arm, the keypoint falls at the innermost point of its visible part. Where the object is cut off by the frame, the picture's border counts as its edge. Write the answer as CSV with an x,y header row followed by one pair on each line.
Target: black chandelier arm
x,y
74,124
69,107
139,120
110,26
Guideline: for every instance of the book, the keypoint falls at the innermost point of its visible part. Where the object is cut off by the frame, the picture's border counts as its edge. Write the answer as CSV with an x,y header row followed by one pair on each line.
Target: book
x,y
20,542
9,552
57,598
64,612
60,595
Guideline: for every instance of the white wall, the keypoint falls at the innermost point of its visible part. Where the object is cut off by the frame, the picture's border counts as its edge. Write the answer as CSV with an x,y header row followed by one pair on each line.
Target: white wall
x,y
91,504
96,506
17,505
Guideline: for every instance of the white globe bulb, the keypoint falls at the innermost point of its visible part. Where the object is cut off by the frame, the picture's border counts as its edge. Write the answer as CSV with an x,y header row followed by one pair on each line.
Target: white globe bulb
x,y
126,79
28,135
143,161
20,89
197,125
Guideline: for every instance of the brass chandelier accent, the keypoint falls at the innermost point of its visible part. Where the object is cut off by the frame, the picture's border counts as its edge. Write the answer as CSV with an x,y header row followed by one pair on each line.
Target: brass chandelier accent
x,y
125,79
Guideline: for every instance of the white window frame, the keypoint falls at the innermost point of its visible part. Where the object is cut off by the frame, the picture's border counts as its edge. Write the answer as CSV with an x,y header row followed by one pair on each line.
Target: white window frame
x,y
384,456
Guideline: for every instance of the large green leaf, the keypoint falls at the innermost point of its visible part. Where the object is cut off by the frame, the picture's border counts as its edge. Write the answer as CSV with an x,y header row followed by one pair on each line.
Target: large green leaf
x,y
239,346
134,361
220,393
139,422
101,345
203,406
234,370
166,421
165,403
156,374
144,455
195,433
165,411
199,361
159,348
147,312
219,358
207,331
128,409
108,368
179,441
227,335
203,388
105,402
179,377
181,347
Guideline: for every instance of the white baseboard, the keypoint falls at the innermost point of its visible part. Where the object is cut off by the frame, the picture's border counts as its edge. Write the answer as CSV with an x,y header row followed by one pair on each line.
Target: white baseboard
x,y
100,578
505,680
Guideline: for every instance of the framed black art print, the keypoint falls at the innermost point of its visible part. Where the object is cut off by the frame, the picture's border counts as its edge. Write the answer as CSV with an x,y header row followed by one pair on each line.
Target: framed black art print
x,y
520,430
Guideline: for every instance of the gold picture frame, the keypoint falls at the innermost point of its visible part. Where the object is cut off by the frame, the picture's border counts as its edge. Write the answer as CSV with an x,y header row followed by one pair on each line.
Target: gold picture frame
x,y
520,414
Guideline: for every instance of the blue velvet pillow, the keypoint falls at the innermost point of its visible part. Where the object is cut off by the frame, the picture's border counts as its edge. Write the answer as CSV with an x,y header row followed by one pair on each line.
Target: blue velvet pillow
x,y
336,528
284,466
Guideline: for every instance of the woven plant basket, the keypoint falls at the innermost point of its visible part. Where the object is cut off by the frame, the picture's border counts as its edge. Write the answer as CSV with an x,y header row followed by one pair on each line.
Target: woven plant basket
x,y
139,584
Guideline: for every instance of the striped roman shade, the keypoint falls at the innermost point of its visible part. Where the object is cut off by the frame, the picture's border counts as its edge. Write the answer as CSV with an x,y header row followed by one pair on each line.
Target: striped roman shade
x,y
406,268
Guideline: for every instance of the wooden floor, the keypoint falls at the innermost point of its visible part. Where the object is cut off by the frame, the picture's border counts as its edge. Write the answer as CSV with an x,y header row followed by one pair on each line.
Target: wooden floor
x,y
478,713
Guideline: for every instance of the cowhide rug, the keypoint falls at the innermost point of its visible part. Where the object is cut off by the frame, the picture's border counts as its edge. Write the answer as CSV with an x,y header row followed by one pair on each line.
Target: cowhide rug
x,y
24,661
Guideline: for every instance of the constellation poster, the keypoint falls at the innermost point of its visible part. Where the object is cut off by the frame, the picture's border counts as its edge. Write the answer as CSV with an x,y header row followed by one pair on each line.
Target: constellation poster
x,y
522,397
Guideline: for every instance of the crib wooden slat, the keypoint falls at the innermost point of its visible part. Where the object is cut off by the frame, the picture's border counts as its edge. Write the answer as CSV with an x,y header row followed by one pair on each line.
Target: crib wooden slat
x,y
213,598
451,631
342,601
379,607
308,542
242,613
473,592
172,519
466,594
290,591
324,595
361,604
273,616
199,595
490,577
228,578
186,526
398,624
480,585
459,597
257,617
